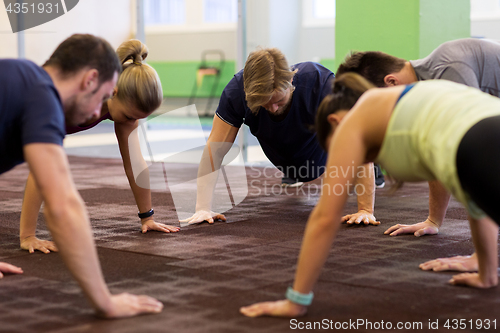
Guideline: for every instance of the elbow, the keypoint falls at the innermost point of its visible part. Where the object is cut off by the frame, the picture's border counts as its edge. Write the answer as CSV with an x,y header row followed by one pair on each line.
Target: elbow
x,y
324,220
65,209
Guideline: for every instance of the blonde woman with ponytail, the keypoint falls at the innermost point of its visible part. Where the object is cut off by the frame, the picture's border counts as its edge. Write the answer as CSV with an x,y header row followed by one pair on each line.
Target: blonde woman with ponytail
x,y
137,94
431,130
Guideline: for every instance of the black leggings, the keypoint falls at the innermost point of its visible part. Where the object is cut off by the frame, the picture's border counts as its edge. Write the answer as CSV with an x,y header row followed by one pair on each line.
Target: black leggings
x,y
478,165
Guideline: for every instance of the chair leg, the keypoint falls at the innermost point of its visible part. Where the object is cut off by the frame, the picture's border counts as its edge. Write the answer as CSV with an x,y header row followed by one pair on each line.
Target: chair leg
x,y
212,94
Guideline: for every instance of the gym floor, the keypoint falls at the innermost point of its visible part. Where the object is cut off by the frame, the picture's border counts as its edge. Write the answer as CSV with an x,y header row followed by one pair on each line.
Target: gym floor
x,y
204,273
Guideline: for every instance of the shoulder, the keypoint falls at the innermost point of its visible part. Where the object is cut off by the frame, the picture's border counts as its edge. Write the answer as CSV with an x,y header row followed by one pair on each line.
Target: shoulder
x,y
459,47
235,86
458,43
311,74
311,68
45,90
372,112
20,66
236,81
26,75
40,92
377,97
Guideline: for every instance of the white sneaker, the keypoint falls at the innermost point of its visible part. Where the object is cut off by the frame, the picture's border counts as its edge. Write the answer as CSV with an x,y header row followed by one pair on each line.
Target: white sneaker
x,y
289,182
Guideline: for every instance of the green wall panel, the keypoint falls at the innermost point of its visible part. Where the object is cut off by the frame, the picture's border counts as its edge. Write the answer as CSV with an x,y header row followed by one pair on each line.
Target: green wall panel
x,y
178,78
442,21
408,29
390,26
328,63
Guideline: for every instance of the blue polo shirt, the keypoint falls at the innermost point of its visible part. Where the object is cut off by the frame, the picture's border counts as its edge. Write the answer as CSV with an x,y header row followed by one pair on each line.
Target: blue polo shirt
x,y
30,110
289,144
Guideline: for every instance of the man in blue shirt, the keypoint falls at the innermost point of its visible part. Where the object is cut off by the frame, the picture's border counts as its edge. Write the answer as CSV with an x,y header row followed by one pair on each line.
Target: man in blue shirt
x,y
35,105
279,105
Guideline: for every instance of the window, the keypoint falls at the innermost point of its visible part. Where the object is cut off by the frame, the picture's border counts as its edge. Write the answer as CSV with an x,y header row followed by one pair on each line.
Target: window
x,y
318,13
187,16
164,12
220,11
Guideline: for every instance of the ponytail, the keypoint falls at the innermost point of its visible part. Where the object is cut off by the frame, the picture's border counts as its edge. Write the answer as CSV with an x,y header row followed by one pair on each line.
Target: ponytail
x,y
132,52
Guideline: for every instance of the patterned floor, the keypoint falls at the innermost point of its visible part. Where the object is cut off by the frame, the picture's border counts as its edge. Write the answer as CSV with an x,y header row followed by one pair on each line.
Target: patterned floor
x,y
204,273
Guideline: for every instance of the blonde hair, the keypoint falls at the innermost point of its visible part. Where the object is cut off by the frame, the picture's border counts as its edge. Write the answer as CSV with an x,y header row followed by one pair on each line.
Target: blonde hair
x,y
139,84
266,72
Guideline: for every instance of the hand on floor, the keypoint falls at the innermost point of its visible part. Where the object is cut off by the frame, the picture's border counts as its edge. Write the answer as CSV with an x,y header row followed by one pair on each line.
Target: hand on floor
x,y
471,280
361,216
128,305
32,243
419,229
458,263
8,268
152,225
283,308
204,215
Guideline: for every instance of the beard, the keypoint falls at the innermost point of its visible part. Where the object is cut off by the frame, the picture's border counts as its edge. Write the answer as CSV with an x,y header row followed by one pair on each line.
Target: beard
x,y
76,114
70,110
282,111
278,112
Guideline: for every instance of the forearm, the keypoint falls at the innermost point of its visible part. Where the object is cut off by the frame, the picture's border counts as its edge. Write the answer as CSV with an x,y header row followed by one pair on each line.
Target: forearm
x,y
485,238
67,220
318,238
208,173
134,161
72,234
31,207
365,188
219,142
142,194
439,198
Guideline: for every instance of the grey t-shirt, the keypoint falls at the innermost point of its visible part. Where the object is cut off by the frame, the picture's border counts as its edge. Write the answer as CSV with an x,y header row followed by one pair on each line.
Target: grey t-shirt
x,y
473,62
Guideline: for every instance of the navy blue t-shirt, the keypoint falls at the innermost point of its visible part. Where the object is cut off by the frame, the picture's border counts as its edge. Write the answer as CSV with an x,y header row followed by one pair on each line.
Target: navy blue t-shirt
x,y
289,144
30,110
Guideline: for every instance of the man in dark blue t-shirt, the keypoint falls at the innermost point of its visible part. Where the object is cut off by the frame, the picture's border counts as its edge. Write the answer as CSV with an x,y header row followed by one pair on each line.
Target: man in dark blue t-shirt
x,y
279,105
282,124
35,105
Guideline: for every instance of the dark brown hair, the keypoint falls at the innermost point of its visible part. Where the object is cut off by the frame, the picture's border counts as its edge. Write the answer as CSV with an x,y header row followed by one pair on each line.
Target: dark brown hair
x,y
347,89
372,65
85,51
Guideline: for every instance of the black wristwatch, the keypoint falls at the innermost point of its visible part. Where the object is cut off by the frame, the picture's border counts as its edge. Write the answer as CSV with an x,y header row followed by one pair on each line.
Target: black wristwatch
x,y
149,213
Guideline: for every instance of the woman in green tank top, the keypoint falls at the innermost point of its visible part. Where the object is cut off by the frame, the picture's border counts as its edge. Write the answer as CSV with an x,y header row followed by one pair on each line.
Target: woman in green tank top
x,y
429,131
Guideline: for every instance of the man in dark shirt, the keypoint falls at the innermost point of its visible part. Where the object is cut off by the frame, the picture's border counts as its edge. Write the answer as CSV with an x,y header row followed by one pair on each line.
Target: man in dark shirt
x,y
277,102
35,105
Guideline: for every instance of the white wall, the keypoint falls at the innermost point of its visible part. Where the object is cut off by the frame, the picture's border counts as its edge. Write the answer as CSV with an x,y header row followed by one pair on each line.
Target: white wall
x,y
270,23
274,23
316,43
8,40
110,19
284,27
188,46
486,28
257,24
186,42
